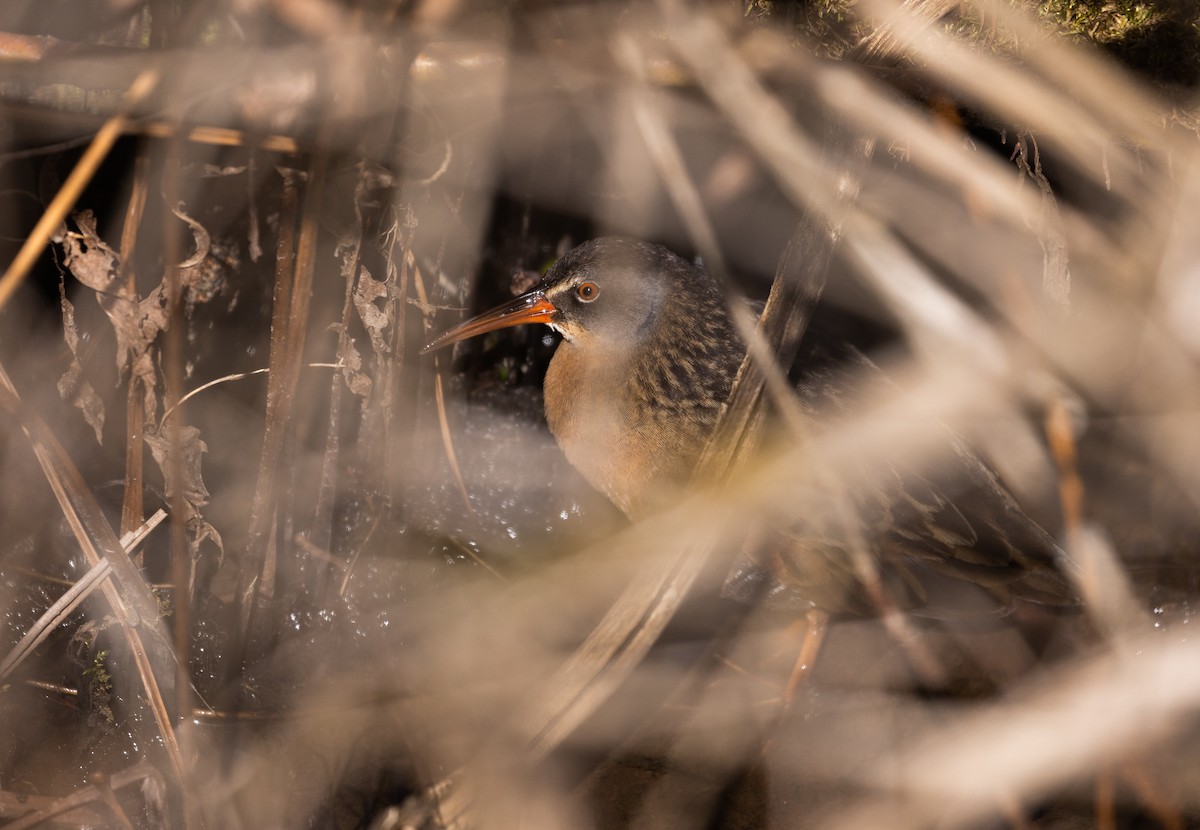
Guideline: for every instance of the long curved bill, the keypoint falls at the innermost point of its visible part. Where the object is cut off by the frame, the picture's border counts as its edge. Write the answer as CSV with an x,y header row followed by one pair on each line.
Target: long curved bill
x,y
530,307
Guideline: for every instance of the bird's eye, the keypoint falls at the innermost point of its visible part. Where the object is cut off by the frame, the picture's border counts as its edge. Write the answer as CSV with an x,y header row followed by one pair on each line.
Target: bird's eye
x,y
587,291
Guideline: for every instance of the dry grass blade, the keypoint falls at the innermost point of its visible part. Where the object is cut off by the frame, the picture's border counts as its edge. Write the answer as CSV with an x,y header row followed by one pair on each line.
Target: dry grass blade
x,y
614,647
54,616
1111,95
448,437
133,604
1097,710
1103,581
350,245
69,601
257,576
14,805
768,357
986,182
1016,94
226,379
937,322
290,316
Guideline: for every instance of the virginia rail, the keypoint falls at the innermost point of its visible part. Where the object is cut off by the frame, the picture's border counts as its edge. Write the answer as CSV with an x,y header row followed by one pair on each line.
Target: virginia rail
x,y
647,360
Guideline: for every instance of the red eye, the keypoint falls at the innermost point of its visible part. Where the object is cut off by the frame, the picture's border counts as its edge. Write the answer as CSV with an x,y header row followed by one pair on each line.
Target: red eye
x,y
587,291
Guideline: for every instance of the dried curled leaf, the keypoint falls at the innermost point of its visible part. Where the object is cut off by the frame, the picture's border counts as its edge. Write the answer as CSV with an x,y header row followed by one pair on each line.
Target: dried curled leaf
x,y
352,367
191,450
72,386
205,280
203,275
368,290
200,234
135,324
195,494
89,257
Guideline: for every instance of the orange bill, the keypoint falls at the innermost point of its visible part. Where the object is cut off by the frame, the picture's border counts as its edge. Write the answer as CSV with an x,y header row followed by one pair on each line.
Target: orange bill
x,y
531,307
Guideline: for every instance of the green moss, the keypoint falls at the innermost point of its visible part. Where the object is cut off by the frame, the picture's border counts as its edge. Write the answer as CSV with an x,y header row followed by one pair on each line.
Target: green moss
x,y
1158,39
162,599
100,691
1100,21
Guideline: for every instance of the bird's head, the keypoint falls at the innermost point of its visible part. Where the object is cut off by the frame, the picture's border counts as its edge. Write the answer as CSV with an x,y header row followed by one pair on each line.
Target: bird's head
x,y
608,291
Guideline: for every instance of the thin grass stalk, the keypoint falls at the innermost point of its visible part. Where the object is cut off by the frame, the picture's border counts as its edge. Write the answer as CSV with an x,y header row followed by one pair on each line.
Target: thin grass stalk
x,y
1140,775
298,322
263,507
321,532
132,507
173,356
399,269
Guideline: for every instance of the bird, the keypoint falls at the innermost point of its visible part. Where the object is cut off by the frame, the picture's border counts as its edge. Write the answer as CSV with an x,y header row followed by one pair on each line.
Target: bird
x,y
647,360
633,392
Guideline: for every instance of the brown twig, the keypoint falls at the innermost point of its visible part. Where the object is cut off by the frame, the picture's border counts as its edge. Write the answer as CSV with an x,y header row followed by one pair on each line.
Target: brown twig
x,y
132,508
257,575
1106,800
173,357
350,246
295,263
